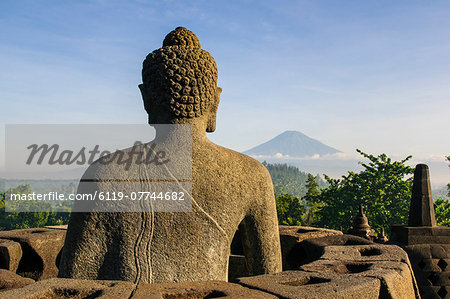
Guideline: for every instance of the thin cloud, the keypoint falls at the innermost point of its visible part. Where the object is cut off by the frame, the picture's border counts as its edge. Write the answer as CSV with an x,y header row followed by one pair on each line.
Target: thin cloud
x,y
335,156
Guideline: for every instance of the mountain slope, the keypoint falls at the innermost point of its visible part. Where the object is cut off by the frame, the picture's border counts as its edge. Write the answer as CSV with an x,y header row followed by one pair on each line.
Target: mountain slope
x,y
292,143
289,179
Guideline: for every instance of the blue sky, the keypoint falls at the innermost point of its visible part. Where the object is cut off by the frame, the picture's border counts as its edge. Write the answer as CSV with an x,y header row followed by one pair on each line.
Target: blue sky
x,y
372,75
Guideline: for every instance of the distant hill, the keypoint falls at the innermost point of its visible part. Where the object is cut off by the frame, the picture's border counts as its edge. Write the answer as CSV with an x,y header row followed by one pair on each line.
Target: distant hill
x,y
292,143
440,192
289,179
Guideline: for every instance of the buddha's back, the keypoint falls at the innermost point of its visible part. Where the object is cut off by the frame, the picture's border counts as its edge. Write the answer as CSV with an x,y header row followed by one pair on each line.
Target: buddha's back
x,y
227,188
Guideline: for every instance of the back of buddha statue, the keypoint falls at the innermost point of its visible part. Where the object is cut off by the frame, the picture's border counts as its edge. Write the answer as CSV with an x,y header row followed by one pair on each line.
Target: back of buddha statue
x,y
225,188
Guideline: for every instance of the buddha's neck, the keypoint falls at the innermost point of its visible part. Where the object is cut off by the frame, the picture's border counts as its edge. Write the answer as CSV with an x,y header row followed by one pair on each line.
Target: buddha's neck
x,y
179,132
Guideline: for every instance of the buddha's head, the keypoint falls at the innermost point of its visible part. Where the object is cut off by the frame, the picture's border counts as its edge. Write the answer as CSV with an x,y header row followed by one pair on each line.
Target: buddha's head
x,y
180,82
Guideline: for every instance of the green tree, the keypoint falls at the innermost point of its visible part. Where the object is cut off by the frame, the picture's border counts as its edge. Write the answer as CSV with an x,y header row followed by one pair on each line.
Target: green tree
x,y
289,210
289,179
310,199
382,188
442,211
312,187
21,220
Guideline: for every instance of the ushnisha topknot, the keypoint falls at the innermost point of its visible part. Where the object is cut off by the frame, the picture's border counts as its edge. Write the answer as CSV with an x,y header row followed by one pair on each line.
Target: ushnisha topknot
x,y
181,37
180,78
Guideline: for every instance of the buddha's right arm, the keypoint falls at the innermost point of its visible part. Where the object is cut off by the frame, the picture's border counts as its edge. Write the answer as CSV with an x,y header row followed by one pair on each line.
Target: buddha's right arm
x,y
261,239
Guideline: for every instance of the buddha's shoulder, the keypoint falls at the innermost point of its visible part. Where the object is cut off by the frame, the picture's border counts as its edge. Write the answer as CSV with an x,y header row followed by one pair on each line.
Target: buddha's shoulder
x,y
111,165
230,158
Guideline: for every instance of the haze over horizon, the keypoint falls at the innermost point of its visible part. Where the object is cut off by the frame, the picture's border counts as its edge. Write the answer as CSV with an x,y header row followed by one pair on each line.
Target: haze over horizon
x,y
367,75
310,155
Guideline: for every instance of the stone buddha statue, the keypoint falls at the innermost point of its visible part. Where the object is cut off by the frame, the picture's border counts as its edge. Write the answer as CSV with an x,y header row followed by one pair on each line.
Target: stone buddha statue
x,y
229,189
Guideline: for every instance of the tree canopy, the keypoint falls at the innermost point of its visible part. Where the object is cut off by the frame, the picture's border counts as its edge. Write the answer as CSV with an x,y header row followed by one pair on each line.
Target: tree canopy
x,y
442,211
383,188
289,210
21,220
289,179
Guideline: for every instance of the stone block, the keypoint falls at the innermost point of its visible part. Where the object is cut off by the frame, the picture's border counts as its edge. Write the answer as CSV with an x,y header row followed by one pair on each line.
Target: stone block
x,y
418,252
440,251
300,233
291,235
10,280
397,280
301,284
40,247
395,277
63,227
10,255
427,265
336,267
72,288
373,252
207,289
438,278
312,249
431,265
435,292
409,235
429,240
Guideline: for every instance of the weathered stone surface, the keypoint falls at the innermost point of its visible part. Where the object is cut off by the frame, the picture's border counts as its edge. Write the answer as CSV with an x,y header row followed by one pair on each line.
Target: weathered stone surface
x,y
312,249
396,277
428,240
373,252
74,288
370,260
421,212
10,254
409,235
300,284
430,263
207,289
300,233
418,252
56,288
63,227
291,235
40,247
228,188
440,251
427,265
337,240
337,266
397,280
438,278
10,280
